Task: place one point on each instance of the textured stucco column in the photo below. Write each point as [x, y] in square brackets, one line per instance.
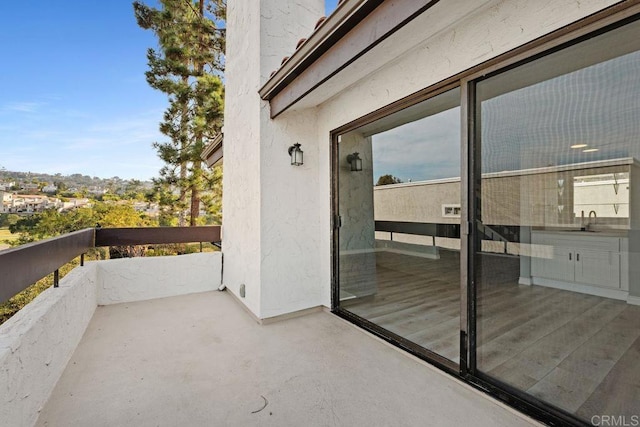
[268, 219]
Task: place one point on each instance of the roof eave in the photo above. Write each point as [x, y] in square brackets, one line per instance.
[212, 153]
[347, 15]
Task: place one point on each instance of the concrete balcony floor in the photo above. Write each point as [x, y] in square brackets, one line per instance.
[201, 360]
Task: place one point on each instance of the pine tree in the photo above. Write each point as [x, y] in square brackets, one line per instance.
[187, 67]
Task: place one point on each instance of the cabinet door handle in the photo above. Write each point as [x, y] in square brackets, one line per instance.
[577, 257]
[569, 256]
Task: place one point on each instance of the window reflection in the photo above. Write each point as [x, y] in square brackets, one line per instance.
[400, 236]
[558, 232]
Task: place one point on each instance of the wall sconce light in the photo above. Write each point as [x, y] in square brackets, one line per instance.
[296, 154]
[355, 161]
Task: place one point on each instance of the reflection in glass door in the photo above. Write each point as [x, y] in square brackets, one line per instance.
[558, 227]
[399, 236]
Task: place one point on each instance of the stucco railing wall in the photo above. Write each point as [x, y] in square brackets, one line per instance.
[37, 343]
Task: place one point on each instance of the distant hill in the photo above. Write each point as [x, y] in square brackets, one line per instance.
[75, 180]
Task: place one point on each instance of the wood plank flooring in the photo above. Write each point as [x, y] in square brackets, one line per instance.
[579, 352]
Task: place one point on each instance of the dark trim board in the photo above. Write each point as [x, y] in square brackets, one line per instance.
[523, 403]
[156, 235]
[213, 153]
[326, 34]
[355, 37]
[335, 223]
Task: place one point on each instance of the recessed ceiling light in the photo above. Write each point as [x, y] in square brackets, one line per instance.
[590, 150]
[578, 145]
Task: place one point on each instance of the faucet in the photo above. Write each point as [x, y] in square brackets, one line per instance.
[589, 224]
[583, 226]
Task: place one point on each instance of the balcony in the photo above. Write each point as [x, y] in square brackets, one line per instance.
[151, 341]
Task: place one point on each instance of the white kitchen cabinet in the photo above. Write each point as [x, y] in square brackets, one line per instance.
[598, 268]
[566, 258]
[555, 263]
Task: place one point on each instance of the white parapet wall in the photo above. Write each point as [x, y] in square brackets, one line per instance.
[137, 279]
[37, 343]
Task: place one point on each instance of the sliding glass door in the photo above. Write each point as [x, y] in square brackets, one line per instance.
[558, 226]
[399, 216]
[545, 247]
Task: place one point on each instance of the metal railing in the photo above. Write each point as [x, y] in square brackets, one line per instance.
[419, 228]
[502, 233]
[22, 266]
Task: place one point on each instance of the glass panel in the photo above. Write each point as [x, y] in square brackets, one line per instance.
[558, 231]
[400, 234]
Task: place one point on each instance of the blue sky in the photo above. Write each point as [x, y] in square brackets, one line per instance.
[73, 96]
[425, 149]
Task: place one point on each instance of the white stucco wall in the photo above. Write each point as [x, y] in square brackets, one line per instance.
[270, 225]
[37, 343]
[241, 180]
[290, 221]
[138, 279]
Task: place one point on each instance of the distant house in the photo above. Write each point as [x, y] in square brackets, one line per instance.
[98, 191]
[50, 188]
[6, 196]
[74, 203]
[6, 201]
[6, 185]
[29, 188]
[37, 203]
